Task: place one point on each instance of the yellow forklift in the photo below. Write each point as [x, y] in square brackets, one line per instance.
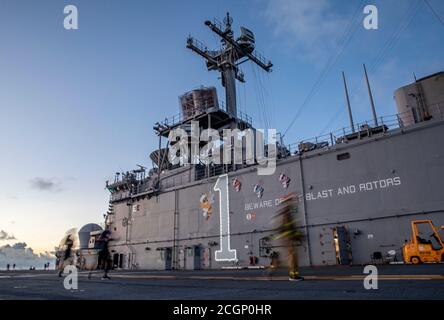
[426, 245]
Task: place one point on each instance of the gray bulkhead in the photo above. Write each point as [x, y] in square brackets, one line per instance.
[379, 186]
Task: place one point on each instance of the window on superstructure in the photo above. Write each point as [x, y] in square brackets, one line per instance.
[343, 156]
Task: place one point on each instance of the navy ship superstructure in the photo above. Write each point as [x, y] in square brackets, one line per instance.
[358, 187]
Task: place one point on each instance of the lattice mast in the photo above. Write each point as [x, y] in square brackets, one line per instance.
[227, 60]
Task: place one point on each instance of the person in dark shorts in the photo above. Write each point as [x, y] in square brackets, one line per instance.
[67, 256]
[104, 254]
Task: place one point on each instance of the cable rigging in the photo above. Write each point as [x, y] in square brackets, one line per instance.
[343, 40]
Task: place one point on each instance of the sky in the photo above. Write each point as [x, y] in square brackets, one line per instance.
[78, 105]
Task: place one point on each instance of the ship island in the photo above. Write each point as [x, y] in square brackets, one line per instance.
[361, 190]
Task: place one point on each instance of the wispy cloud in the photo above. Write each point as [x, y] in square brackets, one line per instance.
[6, 236]
[309, 25]
[46, 184]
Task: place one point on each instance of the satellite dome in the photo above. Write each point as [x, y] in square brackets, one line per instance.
[84, 234]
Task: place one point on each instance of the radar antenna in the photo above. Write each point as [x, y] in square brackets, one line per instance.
[233, 53]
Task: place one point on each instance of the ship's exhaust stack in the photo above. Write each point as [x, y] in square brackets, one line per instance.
[421, 100]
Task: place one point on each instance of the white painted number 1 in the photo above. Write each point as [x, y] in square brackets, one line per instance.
[225, 253]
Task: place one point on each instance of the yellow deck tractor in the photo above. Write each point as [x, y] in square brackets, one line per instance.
[426, 245]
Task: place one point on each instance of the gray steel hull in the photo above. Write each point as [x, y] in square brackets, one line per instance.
[386, 182]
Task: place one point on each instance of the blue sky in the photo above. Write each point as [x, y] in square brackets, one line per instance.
[77, 106]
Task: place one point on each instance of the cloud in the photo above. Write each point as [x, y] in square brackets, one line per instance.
[23, 257]
[46, 184]
[6, 236]
[309, 25]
